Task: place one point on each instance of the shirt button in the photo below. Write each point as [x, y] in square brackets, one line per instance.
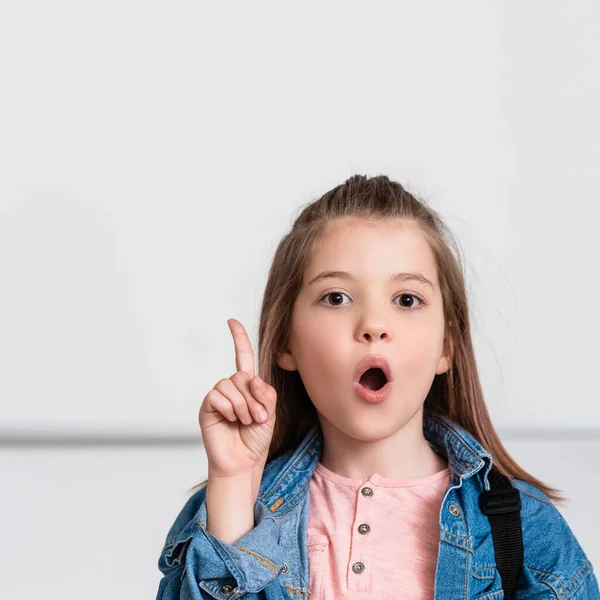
[358, 567]
[454, 509]
[285, 568]
[225, 589]
[364, 528]
[367, 491]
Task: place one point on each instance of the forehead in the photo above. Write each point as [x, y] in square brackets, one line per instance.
[373, 249]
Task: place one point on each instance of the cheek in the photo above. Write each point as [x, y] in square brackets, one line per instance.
[313, 336]
[322, 358]
[320, 354]
[417, 367]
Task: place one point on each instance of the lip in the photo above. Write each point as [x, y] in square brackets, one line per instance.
[373, 396]
[373, 361]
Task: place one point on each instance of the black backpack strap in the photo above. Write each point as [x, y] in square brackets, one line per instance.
[502, 505]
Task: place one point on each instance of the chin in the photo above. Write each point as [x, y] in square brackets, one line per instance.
[359, 428]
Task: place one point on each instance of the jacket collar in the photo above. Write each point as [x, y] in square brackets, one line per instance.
[280, 489]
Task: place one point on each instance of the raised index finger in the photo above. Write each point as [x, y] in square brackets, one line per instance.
[244, 355]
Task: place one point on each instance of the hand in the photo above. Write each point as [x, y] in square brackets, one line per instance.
[235, 437]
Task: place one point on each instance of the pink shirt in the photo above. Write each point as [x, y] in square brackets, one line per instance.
[373, 537]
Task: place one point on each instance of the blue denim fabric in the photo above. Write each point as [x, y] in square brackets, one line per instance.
[270, 562]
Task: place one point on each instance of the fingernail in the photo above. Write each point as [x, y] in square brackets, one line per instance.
[262, 415]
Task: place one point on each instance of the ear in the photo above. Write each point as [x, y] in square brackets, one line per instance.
[286, 361]
[446, 358]
[443, 365]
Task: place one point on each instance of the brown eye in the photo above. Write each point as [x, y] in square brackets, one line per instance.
[336, 295]
[404, 296]
[337, 300]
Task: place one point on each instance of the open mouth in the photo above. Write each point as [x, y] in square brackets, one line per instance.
[373, 379]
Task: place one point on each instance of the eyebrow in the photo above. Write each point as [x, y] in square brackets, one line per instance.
[404, 276]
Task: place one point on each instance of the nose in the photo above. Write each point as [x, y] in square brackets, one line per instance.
[373, 325]
[374, 332]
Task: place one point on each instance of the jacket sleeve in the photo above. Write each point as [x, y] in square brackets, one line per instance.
[197, 565]
[588, 590]
[553, 555]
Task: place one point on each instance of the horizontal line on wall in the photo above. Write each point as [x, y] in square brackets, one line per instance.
[95, 440]
[176, 433]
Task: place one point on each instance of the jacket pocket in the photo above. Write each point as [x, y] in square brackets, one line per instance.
[318, 546]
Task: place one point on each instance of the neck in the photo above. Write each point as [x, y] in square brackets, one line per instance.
[405, 454]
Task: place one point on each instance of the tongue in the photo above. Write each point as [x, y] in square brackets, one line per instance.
[373, 379]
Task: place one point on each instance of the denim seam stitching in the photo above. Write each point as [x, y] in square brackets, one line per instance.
[478, 576]
[550, 583]
[265, 562]
[565, 587]
[465, 579]
[286, 504]
[296, 590]
[490, 595]
[457, 545]
[460, 537]
[572, 581]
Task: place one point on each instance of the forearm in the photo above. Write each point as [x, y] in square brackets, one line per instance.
[257, 474]
[230, 505]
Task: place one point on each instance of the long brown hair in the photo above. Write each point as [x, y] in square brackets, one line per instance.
[456, 393]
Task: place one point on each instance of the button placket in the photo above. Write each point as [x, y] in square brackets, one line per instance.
[360, 560]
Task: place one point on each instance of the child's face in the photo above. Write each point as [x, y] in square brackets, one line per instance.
[331, 334]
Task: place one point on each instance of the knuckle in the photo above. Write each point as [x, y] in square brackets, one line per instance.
[244, 403]
[212, 394]
[252, 400]
[239, 377]
[236, 401]
[220, 384]
[218, 400]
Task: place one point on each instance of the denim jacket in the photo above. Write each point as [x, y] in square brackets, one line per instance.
[270, 562]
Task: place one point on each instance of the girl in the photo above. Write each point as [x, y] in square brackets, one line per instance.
[372, 471]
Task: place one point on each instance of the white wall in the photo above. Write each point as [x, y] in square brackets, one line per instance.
[152, 156]
[91, 521]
